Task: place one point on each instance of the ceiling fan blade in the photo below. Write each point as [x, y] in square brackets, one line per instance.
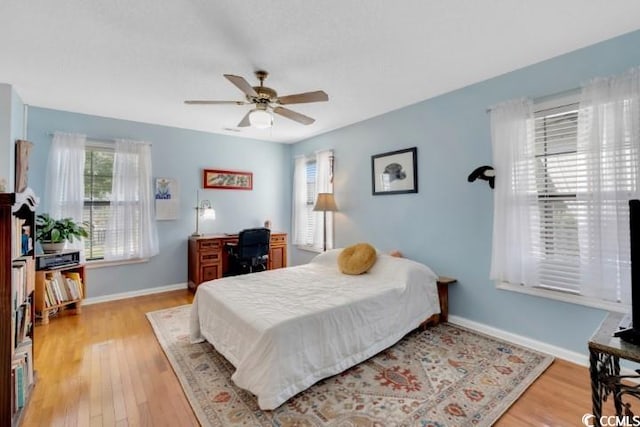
[192, 102]
[301, 98]
[290, 114]
[245, 121]
[241, 84]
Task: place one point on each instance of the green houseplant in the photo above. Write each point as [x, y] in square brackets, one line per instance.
[54, 233]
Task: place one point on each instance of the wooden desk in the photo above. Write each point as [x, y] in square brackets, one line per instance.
[605, 352]
[209, 260]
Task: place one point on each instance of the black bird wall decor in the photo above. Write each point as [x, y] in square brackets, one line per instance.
[485, 173]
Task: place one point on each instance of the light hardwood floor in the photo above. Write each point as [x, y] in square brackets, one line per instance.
[105, 367]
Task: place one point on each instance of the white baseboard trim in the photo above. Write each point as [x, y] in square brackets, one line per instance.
[562, 353]
[131, 294]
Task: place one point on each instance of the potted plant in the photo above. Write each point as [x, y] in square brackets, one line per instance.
[54, 233]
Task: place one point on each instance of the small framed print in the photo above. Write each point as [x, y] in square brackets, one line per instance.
[395, 172]
[227, 180]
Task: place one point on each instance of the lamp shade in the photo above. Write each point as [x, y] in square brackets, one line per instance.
[207, 211]
[325, 203]
[260, 119]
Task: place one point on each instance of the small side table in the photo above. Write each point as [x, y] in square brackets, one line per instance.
[605, 352]
[443, 293]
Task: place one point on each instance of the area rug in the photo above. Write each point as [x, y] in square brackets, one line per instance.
[442, 376]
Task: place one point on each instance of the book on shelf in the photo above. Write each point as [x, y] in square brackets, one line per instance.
[71, 288]
[60, 288]
[20, 386]
[25, 352]
[76, 282]
[22, 374]
[19, 282]
[16, 241]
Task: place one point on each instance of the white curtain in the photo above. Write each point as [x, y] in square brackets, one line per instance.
[64, 186]
[609, 144]
[131, 230]
[515, 221]
[300, 213]
[324, 184]
[308, 226]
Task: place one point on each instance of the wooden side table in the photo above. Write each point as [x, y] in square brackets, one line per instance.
[605, 352]
[443, 293]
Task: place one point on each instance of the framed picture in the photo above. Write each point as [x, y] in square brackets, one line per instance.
[395, 172]
[23, 149]
[167, 195]
[228, 180]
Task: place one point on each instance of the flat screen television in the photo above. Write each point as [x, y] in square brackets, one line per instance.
[632, 333]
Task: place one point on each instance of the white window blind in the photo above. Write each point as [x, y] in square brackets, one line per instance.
[310, 173]
[560, 173]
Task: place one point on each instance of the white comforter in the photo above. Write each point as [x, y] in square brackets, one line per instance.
[286, 329]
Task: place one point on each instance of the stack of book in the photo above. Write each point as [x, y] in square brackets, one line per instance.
[21, 280]
[62, 287]
[22, 287]
[22, 373]
[16, 241]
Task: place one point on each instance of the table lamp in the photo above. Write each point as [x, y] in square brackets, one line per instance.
[204, 210]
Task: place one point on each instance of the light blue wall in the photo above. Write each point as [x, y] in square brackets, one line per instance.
[448, 224]
[180, 154]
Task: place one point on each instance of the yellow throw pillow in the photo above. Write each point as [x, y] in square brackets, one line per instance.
[357, 259]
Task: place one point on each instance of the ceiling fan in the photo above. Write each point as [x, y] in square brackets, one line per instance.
[267, 101]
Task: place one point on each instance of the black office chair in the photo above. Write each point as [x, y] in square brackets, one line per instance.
[251, 253]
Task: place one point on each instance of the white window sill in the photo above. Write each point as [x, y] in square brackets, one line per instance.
[565, 297]
[102, 263]
[310, 249]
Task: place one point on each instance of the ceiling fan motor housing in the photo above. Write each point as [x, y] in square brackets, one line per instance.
[265, 95]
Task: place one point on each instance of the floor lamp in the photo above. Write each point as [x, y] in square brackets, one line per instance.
[325, 203]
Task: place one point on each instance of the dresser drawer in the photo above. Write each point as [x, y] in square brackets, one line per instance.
[209, 272]
[209, 257]
[278, 239]
[213, 244]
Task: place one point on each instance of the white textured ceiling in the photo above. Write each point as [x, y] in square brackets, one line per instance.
[139, 59]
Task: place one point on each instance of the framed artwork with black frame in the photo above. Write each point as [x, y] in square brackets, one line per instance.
[395, 172]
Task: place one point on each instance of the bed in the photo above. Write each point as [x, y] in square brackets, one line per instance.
[286, 329]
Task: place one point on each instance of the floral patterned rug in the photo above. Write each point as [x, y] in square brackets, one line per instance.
[443, 376]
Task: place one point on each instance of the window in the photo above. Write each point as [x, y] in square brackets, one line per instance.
[312, 175]
[98, 173]
[566, 172]
[109, 186]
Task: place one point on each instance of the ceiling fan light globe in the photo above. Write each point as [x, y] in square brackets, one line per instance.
[260, 119]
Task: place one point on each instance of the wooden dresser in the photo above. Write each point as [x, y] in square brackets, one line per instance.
[209, 260]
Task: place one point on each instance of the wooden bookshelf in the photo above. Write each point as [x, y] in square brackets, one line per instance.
[17, 279]
[45, 304]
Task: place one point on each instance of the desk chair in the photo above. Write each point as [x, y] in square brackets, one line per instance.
[251, 253]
